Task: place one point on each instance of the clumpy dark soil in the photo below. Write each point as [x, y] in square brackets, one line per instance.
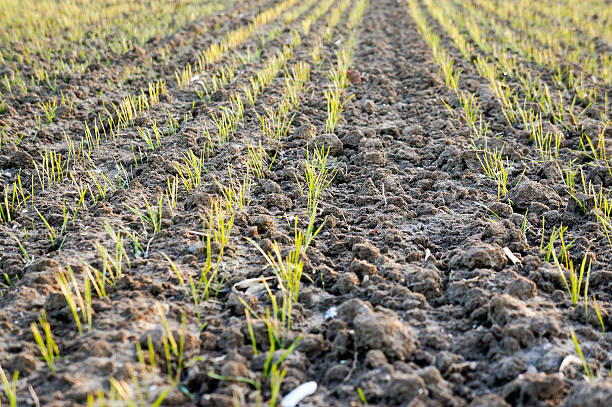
[408, 292]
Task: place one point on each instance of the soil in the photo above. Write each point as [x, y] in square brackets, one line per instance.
[408, 293]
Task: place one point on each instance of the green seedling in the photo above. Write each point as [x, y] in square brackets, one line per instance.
[172, 195]
[76, 302]
[237, 194]
[55, 235]
[318, 176]
[151, 354]
[172, 347]
[587, 369]
[362, 397]
[49, 109]
[275, 124]
[46, 344]
[575, 276]
[495, 168]
[129, 395]
[335, 107]
[190, 171]
[27, 259]
[259, 161]
[10, 387]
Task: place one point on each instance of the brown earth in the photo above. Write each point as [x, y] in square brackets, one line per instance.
[407, 293]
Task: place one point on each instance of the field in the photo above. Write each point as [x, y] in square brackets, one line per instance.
[211, 203]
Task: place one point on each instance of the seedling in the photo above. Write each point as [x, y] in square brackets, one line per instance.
[172, 195]
[151, 142]
[362, 397]
[275, 124]
[318, 174]
[171, 346]
[258, 161]
[46, 344]
[76, 302]
[27, 259]
[153, 216]
[238, 194]
[495, 168]
[55, 235]
[10, 387]
[587, 369]
[191, 170]
[151, 354]
[49, 109]
[288, 271]
[121, 392]
[335, 107]
[97, 279]
[218, 227]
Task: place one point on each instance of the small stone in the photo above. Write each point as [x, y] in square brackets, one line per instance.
[489, 400]
[280, 201]
[330, 141]
[362, 268]
[252, 232]
[367, 106]
[189, 259]
[21, 159]
[266, 245]
[271, 187]
[200, 200]
[218, 95]
[312, 344]
[404, 388]
[236, 306]
[600, 277]
[353, 76]
[352, 139]
[55, 302]
[346, 283]
[375, 358]
[522, 288]
[520, 332]
[342, 346]
[484, 256]
[413, 130]
[23, 363]
[505, 309]
[280, 238]
[235, 369]
[195, 248]
[390, 128]
[231, 337]
[535, 389]
[43, 265]
[380, 331]
[264, 223]
[525, 194]
[598, 394]
[101, 349]
[306, 131]
[509, 368]
[336, 373]
[375, 158]
[157, 335]
[348, 310]
[501, 209]
[365, 251]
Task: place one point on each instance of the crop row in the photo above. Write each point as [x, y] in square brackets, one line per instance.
[95, 281]
[509, 62]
